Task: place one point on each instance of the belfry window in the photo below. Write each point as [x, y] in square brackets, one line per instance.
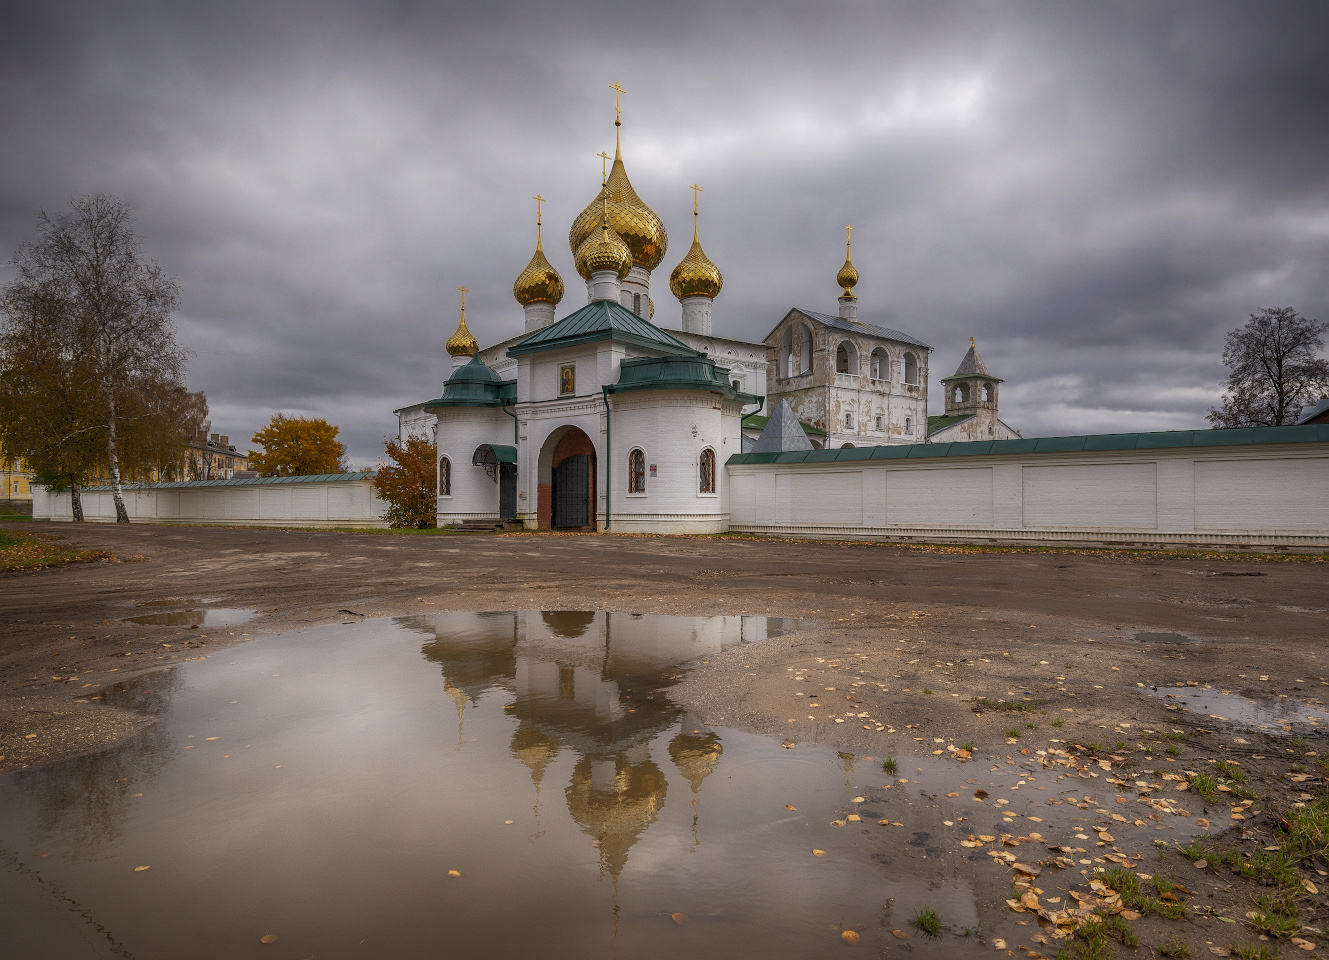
[444, 477]
[637, 471]
[636, 304]
[706, 480]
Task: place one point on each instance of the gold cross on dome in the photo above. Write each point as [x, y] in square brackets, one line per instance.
[618, 91]
[696, 191]
[539, 203]
[463, 292]
[848, 234]
[604, 159]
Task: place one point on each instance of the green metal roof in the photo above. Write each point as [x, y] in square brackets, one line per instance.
[502, 453]
[755, 422]
[601, 320]
[474, 384]
[243, 481]
[1163, 440]
[691, 372]
[942, 422]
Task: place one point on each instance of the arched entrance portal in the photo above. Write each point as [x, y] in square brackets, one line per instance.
[567, 481]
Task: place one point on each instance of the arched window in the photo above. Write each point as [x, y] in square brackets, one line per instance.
[880, 368]
[849, 420]
[989, 392]
[909, 425]
[881, 423]
[706, 473]
[444, 477]
[846, 358]
[637, 471]
[962, 393]
[846, 446]
[796, 351]
[911, 369]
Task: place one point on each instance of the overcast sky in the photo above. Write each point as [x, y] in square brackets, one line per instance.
[1096, 192]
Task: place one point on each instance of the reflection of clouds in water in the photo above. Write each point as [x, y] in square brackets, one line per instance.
[85, 801]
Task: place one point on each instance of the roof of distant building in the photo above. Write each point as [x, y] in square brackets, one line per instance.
[858, 326]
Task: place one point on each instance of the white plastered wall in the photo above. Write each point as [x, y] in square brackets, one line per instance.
[1256, 495]
[474, 495]
[330, 503]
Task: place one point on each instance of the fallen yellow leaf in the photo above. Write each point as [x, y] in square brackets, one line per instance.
[849, 937]
[900, 934]
[454, 873]
[679, 918]
[818, 853]
[137, 869]
[268, 938]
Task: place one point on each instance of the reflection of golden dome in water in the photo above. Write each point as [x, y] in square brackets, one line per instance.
[535, 749]
[635, 223]
[696, 756]
[568, 623]
[459, 698]
[616, 811]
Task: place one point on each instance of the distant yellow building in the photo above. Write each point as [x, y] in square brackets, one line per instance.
[15, 486]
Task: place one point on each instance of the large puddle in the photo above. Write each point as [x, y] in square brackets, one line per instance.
[208, 617]
[517, 784]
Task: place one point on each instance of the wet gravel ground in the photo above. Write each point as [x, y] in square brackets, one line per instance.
[919, 654]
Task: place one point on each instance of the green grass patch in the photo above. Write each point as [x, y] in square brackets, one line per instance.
[20, 550]
[1206, 786]
[889, 765]
[1249, 952]
[1013, 733]
[1225, 768]
[1093, 941]
[927, 922]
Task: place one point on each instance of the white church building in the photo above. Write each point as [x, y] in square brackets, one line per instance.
[602, 419]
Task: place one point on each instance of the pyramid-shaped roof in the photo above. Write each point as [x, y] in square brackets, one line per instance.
[783, 432]
[601, 320]
[971, 366]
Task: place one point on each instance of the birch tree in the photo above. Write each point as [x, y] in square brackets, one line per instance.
[110, 308]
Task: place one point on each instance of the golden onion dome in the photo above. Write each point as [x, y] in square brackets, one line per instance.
[695, 275]
[848, 275]
[461, 343]
[539, 282]
[603, 250]
[636, 224]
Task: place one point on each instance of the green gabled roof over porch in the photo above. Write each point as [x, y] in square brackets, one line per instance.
[601, 320]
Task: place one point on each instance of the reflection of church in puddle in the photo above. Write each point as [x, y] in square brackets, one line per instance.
[592, 683]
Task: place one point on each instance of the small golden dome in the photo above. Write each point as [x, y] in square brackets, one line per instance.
[636, 224]
[461, 343]
[695, 275]
[848, 275]
[539, 282]
[603, 251]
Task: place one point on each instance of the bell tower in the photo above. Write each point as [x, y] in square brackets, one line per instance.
[971, 389]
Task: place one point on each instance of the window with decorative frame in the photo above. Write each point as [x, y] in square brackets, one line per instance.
[637, 471]
[849, 420]
[444, 477]
[706, 479]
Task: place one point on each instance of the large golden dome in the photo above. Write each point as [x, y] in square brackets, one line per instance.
[635, 223]
[539, 282]
[695, 275]
[602, 250]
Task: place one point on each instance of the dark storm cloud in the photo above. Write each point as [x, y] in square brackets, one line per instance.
[1096, 192]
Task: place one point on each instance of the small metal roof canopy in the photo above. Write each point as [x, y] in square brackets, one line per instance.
[490, 455]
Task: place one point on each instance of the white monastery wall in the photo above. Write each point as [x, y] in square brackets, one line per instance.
[261, 502]
[1267, 494]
